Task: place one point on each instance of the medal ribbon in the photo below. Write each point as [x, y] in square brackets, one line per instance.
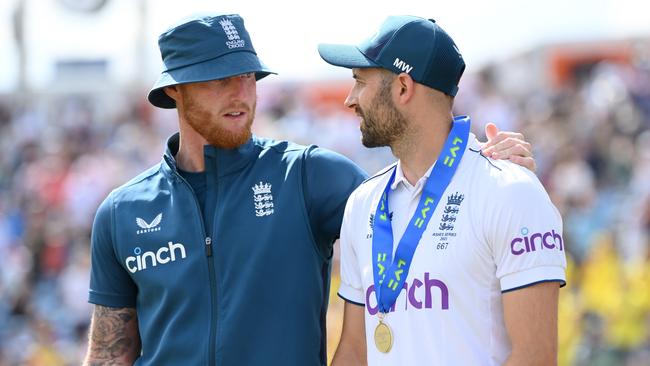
[388, 274]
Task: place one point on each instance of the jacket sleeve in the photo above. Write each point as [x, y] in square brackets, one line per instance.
[328, 180]
[110, 283]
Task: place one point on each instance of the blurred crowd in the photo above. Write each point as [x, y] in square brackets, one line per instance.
[61, 154]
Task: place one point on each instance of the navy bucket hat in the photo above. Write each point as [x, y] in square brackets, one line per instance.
[202, 49]
[408, 44]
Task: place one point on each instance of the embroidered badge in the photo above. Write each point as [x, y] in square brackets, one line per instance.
[145, 227]
[263, 199]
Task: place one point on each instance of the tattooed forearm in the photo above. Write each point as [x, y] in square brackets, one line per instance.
[114, 337]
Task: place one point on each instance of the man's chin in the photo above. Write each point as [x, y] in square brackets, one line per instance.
[229, 137]
[370, 143]
[229, 141]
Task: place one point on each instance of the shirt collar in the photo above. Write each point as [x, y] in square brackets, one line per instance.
[399, 173]
[400, 178]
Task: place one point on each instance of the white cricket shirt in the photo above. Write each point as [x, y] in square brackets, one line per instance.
[494, 230]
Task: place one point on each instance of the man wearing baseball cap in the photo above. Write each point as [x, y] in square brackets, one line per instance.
[447, 256]
[221, 253]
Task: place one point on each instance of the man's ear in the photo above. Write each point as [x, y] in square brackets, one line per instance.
[173, 92]
[406, 87]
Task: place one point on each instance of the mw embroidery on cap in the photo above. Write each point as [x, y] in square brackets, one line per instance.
[233, 36]
[263, 199]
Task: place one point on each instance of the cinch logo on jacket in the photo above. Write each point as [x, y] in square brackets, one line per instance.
[163, 255]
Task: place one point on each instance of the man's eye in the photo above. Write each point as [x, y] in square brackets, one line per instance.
[248, 75]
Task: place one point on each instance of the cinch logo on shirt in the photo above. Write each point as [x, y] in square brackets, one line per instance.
[163, 255]
[414, 294]
[536, 241]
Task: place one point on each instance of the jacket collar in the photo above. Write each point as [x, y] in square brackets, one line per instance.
[221, 161]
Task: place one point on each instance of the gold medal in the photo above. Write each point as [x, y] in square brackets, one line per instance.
[383, 337]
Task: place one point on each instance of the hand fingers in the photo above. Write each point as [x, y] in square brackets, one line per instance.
[518, 155]
[527, 162]
[507, 147]
[519, 150]
[491, 131]
[502, 136]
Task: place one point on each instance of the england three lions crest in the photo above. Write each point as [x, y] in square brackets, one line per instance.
[263, 199]
[451, 210]
[446, 233]
[234, 41]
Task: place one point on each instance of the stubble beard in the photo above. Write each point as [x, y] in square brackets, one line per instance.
[383, 124]
[210, 125]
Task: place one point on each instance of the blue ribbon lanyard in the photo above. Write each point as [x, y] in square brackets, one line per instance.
[389, 275]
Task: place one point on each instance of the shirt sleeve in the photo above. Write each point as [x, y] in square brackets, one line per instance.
[351, 288]
[328, 180]
[110, 284]
[525, 235]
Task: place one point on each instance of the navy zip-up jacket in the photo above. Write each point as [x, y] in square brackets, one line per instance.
[253, 290]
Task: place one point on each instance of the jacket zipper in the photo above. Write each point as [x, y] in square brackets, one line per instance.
[213, 301]
[208, 246]
[211, 272]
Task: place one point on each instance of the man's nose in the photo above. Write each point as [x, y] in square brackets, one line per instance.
[350, 101]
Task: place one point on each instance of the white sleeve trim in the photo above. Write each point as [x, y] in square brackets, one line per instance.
[537, 274]
[351, 294]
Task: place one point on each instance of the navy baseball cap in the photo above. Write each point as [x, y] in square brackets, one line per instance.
[408, 44]
[205, 48]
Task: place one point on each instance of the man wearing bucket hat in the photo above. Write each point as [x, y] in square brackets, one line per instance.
[221, 253]
[447, 256]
